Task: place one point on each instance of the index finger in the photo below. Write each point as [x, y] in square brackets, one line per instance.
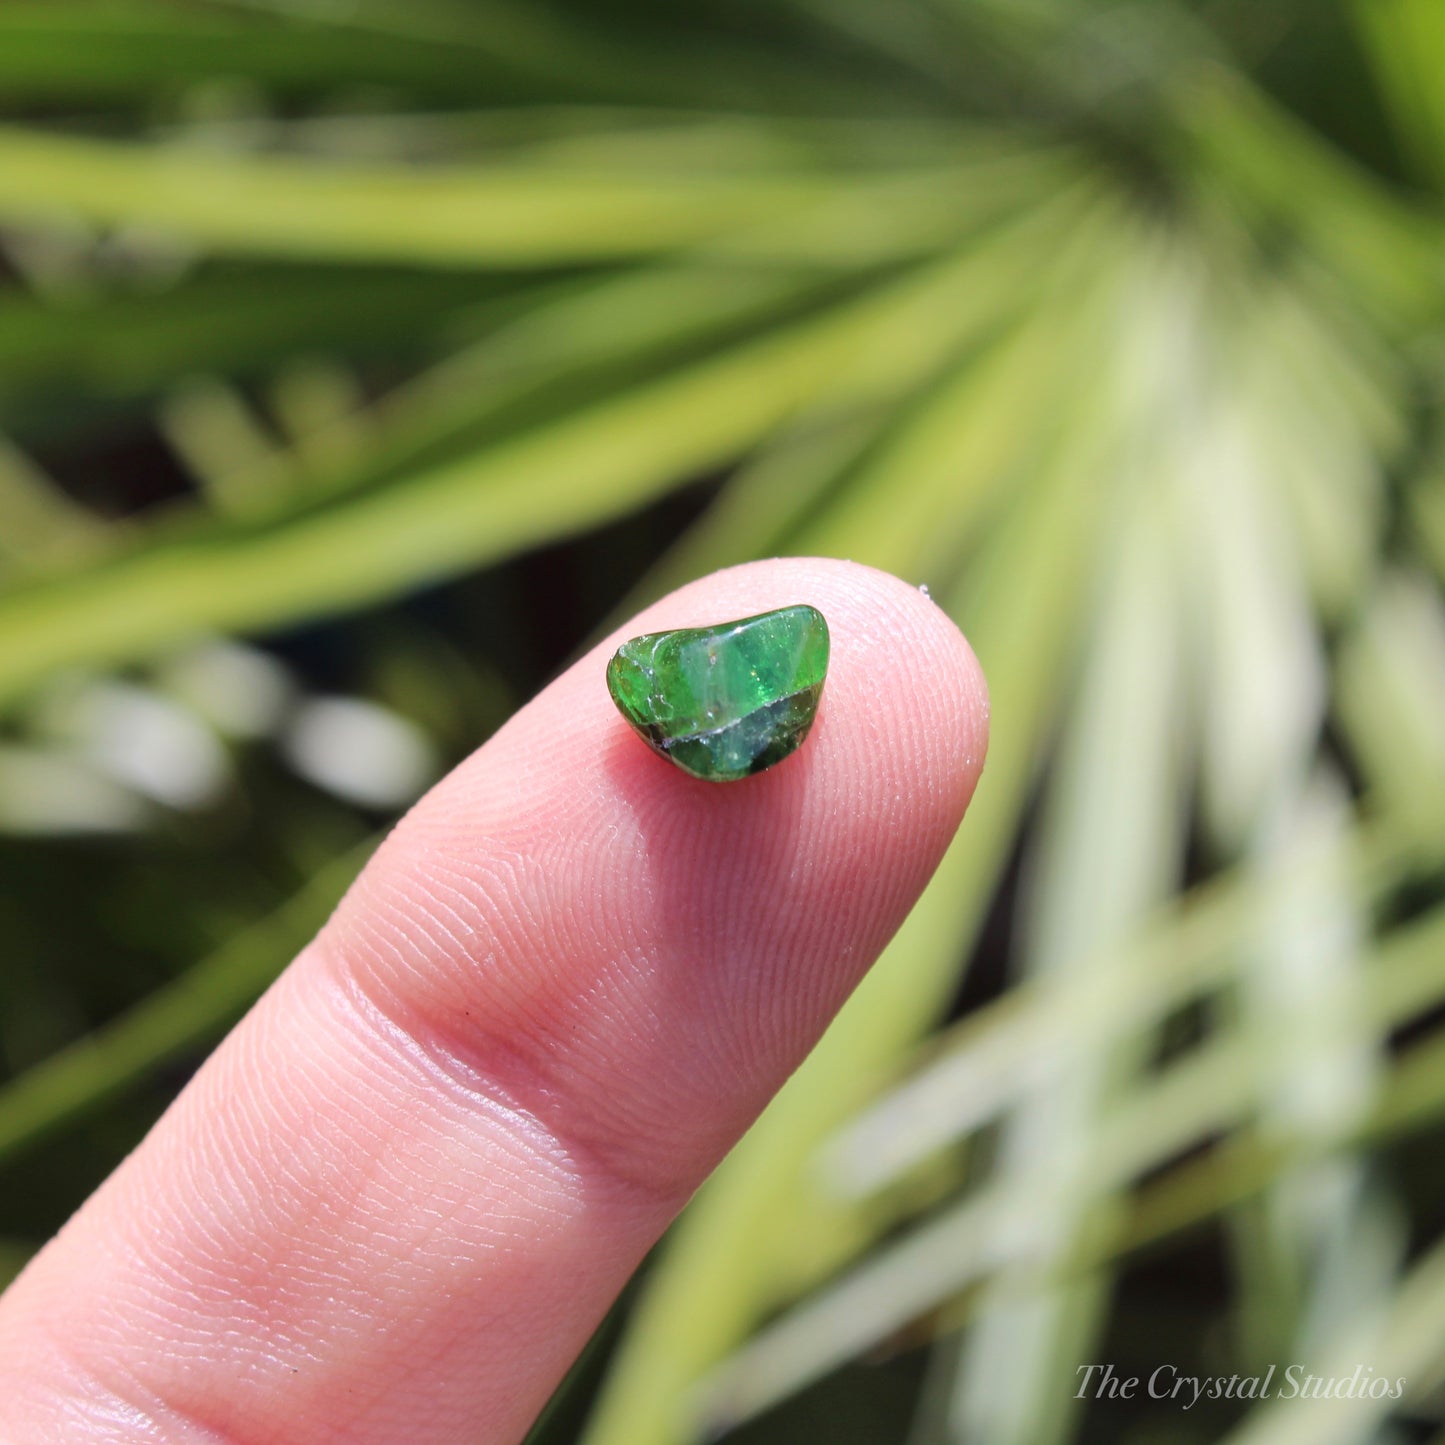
[399, 1197]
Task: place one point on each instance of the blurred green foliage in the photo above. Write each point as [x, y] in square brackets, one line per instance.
[358, 360]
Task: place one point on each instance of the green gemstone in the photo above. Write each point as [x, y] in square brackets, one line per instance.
[727, 701]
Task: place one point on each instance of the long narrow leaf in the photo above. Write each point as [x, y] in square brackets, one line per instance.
[507, 213]
[580, 470]
[183, 1016]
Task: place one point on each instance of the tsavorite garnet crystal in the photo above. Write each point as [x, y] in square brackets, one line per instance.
[727, 701]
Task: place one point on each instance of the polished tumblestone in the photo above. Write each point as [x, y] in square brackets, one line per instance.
[727, 701]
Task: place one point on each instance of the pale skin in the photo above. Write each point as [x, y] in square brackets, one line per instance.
[397, 1200]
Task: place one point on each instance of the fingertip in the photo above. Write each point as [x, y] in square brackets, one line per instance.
[628, 933]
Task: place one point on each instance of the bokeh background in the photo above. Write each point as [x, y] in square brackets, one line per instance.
[361, 359]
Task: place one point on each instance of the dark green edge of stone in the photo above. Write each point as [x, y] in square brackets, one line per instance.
[792, 717]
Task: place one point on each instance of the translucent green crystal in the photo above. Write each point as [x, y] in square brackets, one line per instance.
[727, 701]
